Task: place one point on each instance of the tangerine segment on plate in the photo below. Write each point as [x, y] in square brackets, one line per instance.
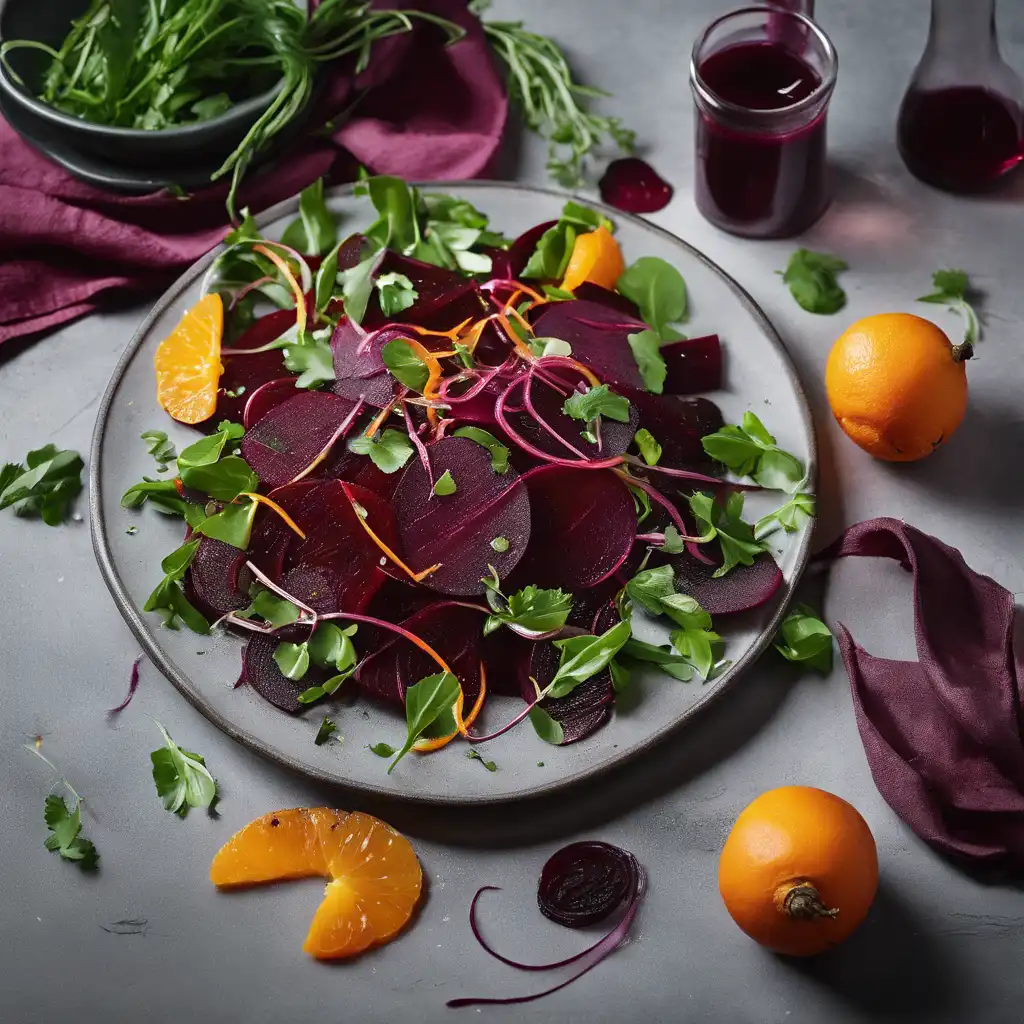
[374, 877]
[188, 364]
[597, 258]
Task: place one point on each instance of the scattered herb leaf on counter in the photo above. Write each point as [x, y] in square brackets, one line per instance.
[952, 289]
[325, 732]
[803, 637]
[749, 450]
[475, 755]
[159, 447]
[182, 778]
[811, 277]
[45, 486]
[65, 825]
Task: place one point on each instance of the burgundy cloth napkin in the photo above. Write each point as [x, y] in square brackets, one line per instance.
[420, 110]
[943, 734]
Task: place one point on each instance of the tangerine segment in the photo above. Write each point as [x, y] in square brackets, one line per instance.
[596, 257]
[188, 365]
[375, 878]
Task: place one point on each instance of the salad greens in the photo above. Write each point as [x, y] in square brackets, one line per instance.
[750, 451]
[182, 778]
[952, 289]
[803, 637]
[44, 486]
[811, 277]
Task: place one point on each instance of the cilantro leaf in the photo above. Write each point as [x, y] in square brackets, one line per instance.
[598, 401]
[45, 486]
[499, 452]
[396, 293]
[658, 289]
[445, 484]
[315, 230]
[159, 447]
[325, 732]
[791, 516]
[405, 365]
[649, 447]
[389, 452]
[646, 349]
[425, 701]
[736, 537]
[65, 825]
[181, 777]
[584, 656]
[749, 450]
[952, 289]
[811, 277]
[803, 637]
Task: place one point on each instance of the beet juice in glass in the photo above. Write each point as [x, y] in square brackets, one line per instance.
[762, 78]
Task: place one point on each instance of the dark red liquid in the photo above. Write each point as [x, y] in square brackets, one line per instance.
[751, 181]
[962, 139]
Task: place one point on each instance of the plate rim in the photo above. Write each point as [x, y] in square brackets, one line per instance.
[145, 635]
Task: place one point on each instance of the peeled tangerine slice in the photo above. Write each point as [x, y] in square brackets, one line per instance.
[374, 876]
[187, 362]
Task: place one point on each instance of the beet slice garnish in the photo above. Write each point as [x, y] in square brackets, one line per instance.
[742, 588]
[678, 426]
[584, 882]
[266, 397]
[455, 531]
[633, 185]
[590, 292]
[589, 958]
[692, 365]
[359, 370]
[289, 438]
[261, 672]
[215, 579]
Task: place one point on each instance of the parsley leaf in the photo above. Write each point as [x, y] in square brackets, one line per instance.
[169, 600]
[65, 825]
[804, 637]
[531, 609]
[811, 277]
[45, 486]
[749, 450]
[734, 535]
[597, 401]
[445, 484]
[405, 365]
[952, 289]
[396, 293]
[182, 778]
[389, 452]
[646, 349]
[791, 516]
[475, 755]
[499, 452]
[159, 447]
[649, 447]
[425, 702]
[325, 732]
[658, 289]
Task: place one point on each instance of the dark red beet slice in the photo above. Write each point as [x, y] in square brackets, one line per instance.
[342, 464]
[260, 671]
[314, 585]
[507, 657]
[336, 540]
[266, 397]
[215, 577]
[454, 631]
[456, 530]
[584, 882]
[678, 425]
[584, 523]
[590, 292]
[742, 588]
[292, 435]
[633, 185]
[598, 336]
[693, 365]
[584, 710]
[522, 248]
[358, 367]
[445, 299]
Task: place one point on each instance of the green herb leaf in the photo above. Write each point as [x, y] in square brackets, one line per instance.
[621, 675]
[549, 730]
[405, 365]
[326, 278]
[292, 659]
[159, 447]
[65, 825]
[803, 637]
[557, 294]
[277, 611]
[232, 525]
[584, 656]
[325, 732]
[397, 226]
[811, 277]
[163, 495]
[749, 450]
[500, 544]
[182, 778]
[475, 755]
[532, 608]
[315, 231]
[45, 486]
[790, 517]
[382, 749]
[734, 535]
[952, 289]
[649, 447]
[499, 452]
[168, 599]
[312, 359]
[597, 401]
[673, 542]
[330, 646]
[396, 293]
[424, 702]
[665, 658]
[389, 452]
[658, 289]
[551, 256]
[445, 484]
[357, 286]
[646, 349]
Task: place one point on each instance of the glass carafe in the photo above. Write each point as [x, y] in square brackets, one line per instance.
[960, 121]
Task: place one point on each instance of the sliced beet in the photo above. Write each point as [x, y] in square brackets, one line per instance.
[215, 577]
[693, 365]
[359, 369]
[452, 630]
[266, 397]
[289, 437]
[590, 292]
[633, 185]
[742, 588]
[445, 298]
[678, 426]
[584, 882]
[507, 657]
[342, 464]
[598, 337]
[262, 674]
[314, 585]
[456, 530]
[584, 524]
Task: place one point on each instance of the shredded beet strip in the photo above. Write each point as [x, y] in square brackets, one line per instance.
[133, 685]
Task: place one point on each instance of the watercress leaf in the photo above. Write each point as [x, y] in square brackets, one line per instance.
[425, 701]
[277, 611]
[685, 611]
[803, 637]
[204, 452]
[396, 293]
[315, 230]
[405, 365]
[584, 656]
[697, 646]
[621, 675]
[325, 732]
[233, 431]
[649, 447]
[224, 480]
[46, 488]
[736, 537]
[658, 289]
[181, 777]
[546, 727]
[175, 564]
[389, 452]
[292, 659]
[811, 277]
[65, 825]
[650, 586]
[533, 608]
[645, 347]
[597, 401]
[445, 484]
[398, 225]
[475, 755]
[232, 525]
[381, 749]
[312, 360]
[330, 646]
[499, 452]
[158, 445]
[790, 517]
[750, 450]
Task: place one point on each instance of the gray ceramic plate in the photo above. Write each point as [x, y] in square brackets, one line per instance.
[759, 376]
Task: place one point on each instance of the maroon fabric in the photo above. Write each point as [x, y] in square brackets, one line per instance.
[430, 112]
[943, 734]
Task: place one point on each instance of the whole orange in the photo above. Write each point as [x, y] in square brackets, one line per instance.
[799, 870]
[897, 385]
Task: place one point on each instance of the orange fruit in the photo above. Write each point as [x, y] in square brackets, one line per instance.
[188, 362]
[374, 876]
[799, 870]
[596, 257]
[897, 385]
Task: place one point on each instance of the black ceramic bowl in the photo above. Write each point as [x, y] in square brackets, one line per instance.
[70, 139]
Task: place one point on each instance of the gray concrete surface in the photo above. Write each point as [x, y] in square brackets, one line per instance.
[938, 945]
